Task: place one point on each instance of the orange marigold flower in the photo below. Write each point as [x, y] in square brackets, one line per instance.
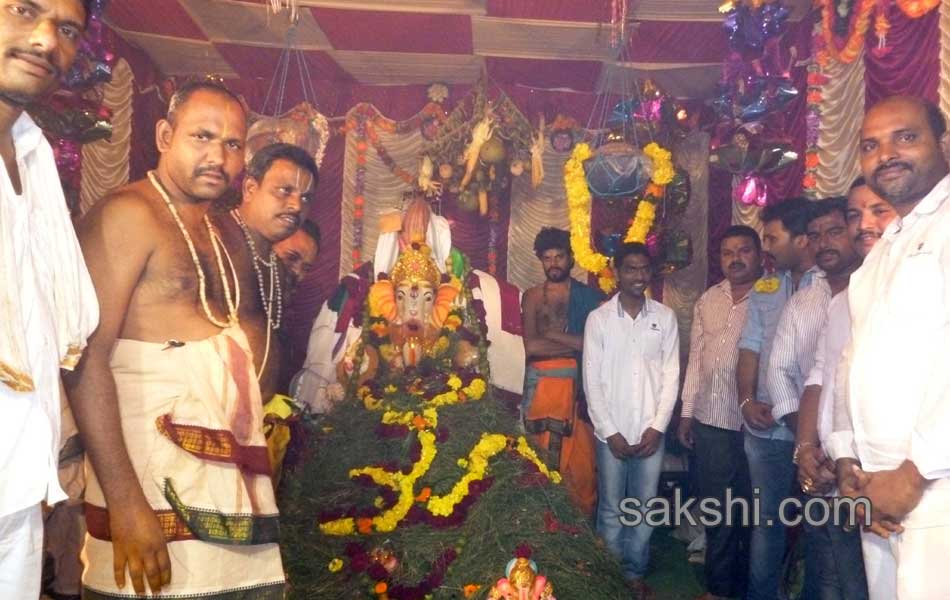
[809, 181]
[811, 160]
[424, 494]
[471, 589]
[379, 328]
[365, 526]
[655, 190]
[419, 422]
[380, 587]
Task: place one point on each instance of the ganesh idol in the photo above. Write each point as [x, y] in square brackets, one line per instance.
[415, 280]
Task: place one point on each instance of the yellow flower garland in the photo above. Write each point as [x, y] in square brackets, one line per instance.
[579, 209]
[488, 446]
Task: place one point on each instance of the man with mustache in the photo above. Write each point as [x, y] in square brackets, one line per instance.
[769, 441]
[631, 376]
[49, 303]
[824, 431]
[277, 190]
[710, 422]
[553, 316]
[790, 363]
[896, 383]
[166, 400]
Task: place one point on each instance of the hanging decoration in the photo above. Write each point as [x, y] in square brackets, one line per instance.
[75, 114]
[579, 199]
[844, 25]
[816, 79]
[303, 125]
[756, 84]
[481, 144]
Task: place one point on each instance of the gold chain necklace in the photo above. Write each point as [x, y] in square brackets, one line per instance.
[216, 246]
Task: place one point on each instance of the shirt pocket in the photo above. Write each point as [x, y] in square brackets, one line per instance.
[652, 340]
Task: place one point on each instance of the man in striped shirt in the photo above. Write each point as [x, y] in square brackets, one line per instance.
[769, 443]
[793, 356]
[710, 421]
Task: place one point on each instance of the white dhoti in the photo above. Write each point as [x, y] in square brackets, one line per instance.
[912, 565]
[192, 421]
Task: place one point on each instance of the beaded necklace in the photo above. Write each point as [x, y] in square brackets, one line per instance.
[267, 299]
[267, 295]
[217, 246]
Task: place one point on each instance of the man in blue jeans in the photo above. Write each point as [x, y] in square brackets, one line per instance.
[631, 376]
[770, 438]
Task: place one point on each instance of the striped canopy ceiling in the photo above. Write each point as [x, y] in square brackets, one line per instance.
[548, 44]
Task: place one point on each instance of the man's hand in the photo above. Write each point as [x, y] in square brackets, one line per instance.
[892, 493]
[816, 473]
[850, 484]
[138, 541]
[618, 446]
[649, 443]
[758, 414]
[684, 433]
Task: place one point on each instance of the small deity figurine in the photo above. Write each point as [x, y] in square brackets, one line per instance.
[522, 583]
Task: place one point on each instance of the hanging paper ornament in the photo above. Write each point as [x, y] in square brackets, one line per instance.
[617, 169]
[751, 191]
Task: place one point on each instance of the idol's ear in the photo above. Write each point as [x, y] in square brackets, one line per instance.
[382, 300]
[443, 301]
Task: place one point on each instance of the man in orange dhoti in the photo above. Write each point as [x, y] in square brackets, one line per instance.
[554, 314]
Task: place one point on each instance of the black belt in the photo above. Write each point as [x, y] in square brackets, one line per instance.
[558, 429]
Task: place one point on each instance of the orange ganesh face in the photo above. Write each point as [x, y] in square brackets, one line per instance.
[414, 302]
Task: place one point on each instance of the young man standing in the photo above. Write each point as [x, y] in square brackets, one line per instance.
[835, 548]
[710, 422]
[631, 375]
[276, 193]
[792, 358]
[49, 303]
[769, 443]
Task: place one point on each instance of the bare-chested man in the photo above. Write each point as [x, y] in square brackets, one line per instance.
[277, 189]
[166, 398]
[553, 315]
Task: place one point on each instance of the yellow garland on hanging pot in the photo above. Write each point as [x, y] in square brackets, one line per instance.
[579, 208]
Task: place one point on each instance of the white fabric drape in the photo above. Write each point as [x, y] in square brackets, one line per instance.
[383, 191]
[943, 90]
[105, 163]
[842, 110]
[683, 288]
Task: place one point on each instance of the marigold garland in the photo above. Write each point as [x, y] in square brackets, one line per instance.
[854, 42]
[579, 208]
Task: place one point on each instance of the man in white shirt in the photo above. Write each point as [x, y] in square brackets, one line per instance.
[897, 380]
[711, 423]
[631, 377]
[835, 547]
[49, 304]
[792, 358]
